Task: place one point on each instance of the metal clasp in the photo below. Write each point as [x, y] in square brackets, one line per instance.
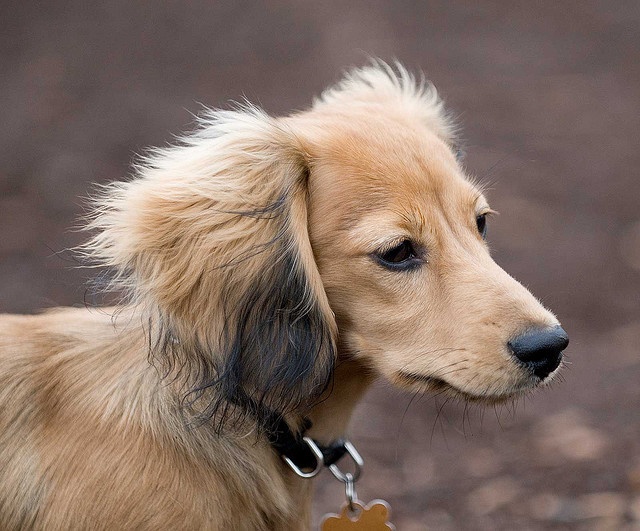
[357, 461]
[348, 478]
[319, 460]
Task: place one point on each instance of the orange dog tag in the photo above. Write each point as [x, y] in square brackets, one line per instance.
[372, 517]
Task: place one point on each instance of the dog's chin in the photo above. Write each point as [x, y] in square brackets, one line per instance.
[432, 385]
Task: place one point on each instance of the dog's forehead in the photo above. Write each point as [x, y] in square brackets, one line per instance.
[376, 165]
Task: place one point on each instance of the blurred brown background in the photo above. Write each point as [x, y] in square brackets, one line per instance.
[549, 97]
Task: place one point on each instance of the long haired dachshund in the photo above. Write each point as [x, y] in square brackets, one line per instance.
[272, 268]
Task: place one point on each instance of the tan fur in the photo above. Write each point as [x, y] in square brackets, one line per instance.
[94, 436]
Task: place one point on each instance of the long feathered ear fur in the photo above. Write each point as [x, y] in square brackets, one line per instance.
[210, 243]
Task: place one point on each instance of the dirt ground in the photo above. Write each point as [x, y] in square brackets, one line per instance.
[548, 94]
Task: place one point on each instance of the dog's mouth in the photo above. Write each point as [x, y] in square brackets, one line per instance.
[432, 384]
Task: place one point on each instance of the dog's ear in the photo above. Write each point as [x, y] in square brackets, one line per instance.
[210, 240]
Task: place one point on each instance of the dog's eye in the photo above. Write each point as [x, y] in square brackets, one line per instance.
[481, 223]
[401, 257]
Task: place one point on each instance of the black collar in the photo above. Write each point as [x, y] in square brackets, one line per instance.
[293, 446]
[298, 450]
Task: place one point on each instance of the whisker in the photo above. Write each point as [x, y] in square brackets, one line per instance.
[415, 395]
[435, 422]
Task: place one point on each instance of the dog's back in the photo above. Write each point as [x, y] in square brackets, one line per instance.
[64, 375]
[89, 439]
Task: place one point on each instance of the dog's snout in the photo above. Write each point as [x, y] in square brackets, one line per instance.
[540, 350]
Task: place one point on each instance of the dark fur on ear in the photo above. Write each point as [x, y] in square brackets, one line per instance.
[278, 349]
[274, 350]
[211, 243]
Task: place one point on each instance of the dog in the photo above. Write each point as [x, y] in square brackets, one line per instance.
[270, 269]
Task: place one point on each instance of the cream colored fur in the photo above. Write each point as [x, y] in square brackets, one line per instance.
[98, 429]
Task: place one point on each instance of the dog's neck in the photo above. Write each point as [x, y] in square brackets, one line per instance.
[331, 415]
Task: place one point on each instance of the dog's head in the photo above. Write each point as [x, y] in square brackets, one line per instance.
[259, 244]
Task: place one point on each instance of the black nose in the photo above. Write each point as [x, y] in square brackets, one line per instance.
[540, 350]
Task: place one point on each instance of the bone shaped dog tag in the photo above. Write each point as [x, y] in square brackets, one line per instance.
[372, 517]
